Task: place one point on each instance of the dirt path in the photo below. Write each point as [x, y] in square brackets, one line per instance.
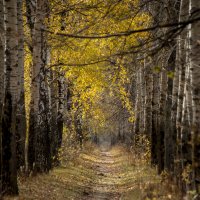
[98, 174]
[108, 169]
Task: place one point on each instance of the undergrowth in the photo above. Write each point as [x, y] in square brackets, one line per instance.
[93, 174]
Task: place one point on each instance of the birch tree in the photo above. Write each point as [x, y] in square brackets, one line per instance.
[54, 111]
[171, 15]
[148, 97]
[9, 166]
[178, 92]
[31, 13]
[2, 74]
[195, 83]
[39, 132]
[155, 114]
[137, 104]
[21, 115]
[60, 116]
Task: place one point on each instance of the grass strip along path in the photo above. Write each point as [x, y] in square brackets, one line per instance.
[99, 173]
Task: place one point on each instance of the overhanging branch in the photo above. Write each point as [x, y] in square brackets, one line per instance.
[127, 33]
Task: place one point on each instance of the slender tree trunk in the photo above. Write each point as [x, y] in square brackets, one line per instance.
[195, 81]
[155, 114]
[61, 82]
[137, 104]
[169, 139]
[2, 86]
[174, 108]
[186, 148]
[43, 127]
[54, 111]
[181, 62]
[156, 9]
[57, 92]
[148, 99]
[142, 99]
[162, 118]
[39, 131]
[31, 17]
[43, 135]
[9, 166]
[21, 115]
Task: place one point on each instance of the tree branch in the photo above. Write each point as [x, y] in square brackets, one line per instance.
[126, 33]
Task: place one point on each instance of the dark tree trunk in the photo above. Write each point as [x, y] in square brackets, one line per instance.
[154, 133]
[9, 165]
[43, 134]
[54, 111]
[21, 113]
[31, 139]
[39, 148]
[9, 170]
[61, 83]
[169, 140]
[2, 86]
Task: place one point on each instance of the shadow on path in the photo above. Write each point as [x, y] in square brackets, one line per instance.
[102, 173]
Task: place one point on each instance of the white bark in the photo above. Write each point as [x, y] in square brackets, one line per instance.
[37, 52]
[9, 120]
[180, 65]
[37, 75]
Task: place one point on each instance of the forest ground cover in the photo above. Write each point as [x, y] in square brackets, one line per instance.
[99, 173]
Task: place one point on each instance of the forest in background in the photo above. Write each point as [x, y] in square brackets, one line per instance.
[78, 70]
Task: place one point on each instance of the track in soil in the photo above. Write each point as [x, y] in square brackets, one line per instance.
[98, 173]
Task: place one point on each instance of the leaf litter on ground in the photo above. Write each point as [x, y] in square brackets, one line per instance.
[96, 174]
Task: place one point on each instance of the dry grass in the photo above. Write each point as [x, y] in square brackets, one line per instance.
[116, 174]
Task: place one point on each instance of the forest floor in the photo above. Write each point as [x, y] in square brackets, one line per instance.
[99, 173]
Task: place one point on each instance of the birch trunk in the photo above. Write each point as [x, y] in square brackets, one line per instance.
[148, 100]
[162, 118]
[155, 115]
[43, 134]
[181, 62]
[9, 167]
[21, 114]
[186, 148]
[137, 105]
[142, 99]
[174, 106]
[54, 111]
[41, 98]
[31, 13]
[169, 139]
[156, 9]
[61, 87]
[195, 81]
[39, 130]
[2, 86]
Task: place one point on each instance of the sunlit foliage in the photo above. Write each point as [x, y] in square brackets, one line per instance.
[92, 84]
